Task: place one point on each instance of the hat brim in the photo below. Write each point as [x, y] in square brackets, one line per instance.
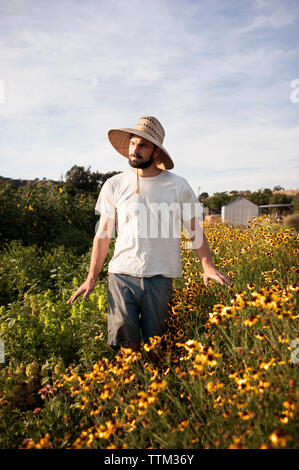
[120, 139]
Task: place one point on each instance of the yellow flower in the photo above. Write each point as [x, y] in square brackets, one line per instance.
[100, 336]
[278, 438]
[260, 337]
[251, 286]
[266, 365]
[181, 427]
[104, 431]
[236, 444]
[157, 386]
[288, 404]
[246, 415]
[211, 387]
[251, 321]
[284, 418]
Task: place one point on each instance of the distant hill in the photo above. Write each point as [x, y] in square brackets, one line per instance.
[288, 192]
[36, 182]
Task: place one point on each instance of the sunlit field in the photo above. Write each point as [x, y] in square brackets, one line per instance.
[228, 377]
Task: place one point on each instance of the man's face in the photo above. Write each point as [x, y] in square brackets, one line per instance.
[141, 152]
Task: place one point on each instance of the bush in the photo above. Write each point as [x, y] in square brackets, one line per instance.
[296, 203]
[292, 221]
[30, 269]
[47, 217]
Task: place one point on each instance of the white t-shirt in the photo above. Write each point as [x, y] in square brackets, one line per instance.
[148, 223]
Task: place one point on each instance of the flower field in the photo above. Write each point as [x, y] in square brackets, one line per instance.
[229, 374]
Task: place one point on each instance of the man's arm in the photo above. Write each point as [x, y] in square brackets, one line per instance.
[201, 247]
[100, 247]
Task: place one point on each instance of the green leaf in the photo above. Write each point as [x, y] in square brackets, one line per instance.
[45, 380]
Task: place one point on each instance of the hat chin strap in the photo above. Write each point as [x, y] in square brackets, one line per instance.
[138, 183]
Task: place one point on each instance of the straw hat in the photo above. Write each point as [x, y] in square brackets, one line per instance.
[149, 128]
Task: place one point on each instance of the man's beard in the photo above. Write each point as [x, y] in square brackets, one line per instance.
[139, 163]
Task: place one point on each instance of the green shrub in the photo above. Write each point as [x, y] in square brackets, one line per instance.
[47, 217]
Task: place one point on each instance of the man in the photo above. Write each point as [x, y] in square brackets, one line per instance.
[146, 204]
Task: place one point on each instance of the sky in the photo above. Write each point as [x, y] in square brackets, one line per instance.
[222, 77]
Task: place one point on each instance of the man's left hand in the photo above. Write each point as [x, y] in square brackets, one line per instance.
[213, 273]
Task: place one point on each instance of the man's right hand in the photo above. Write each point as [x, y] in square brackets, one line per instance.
[87, 287]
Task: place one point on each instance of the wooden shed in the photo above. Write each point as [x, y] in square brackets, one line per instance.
[239, 212]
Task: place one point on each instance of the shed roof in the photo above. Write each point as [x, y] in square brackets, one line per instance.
[238, 199]
[277, 205]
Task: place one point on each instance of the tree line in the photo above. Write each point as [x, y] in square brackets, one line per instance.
[260, 197]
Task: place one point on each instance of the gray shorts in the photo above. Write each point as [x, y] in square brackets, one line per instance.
[134, 304]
